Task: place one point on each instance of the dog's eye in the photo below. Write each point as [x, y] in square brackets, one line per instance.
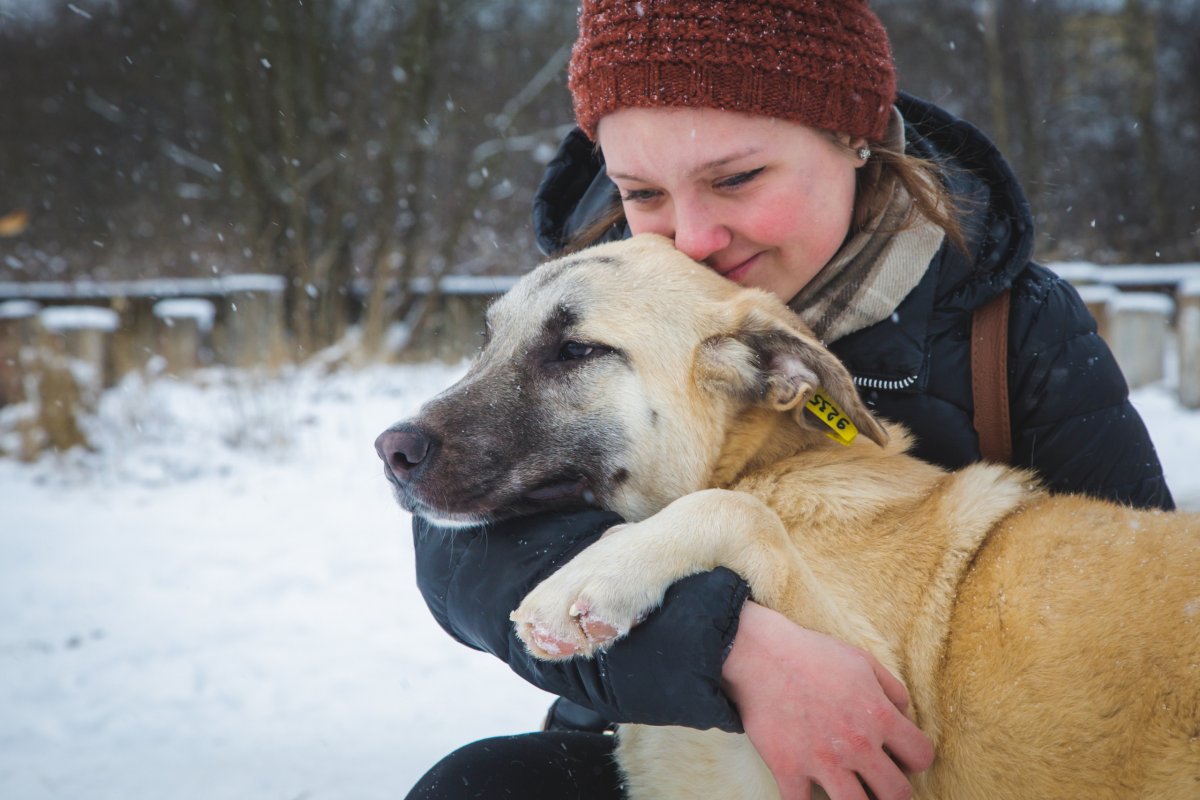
[573, 351]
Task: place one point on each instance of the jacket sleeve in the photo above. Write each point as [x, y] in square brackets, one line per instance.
[666, 672]
[1072, 419]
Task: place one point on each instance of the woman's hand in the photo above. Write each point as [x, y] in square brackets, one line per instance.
[820, 711]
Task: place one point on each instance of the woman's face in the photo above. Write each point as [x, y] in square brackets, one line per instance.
[762, 201]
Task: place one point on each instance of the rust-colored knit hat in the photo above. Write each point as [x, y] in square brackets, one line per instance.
[824, 63]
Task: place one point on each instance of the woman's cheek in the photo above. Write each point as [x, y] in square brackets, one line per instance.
[801, 219]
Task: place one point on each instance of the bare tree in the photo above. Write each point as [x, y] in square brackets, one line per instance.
[393, 258]
[352, 145]
[286, 147]
[989, 26]
[1142, 46]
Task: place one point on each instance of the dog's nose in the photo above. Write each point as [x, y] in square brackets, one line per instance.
[402, 451]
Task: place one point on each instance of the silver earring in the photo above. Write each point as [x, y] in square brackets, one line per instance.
[864, 153]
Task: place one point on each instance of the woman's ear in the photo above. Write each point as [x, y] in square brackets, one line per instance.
[858, 147]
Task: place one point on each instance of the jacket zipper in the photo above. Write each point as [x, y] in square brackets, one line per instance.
[887, 386]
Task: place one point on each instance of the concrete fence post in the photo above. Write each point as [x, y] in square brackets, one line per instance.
[18, 332]
[183, 327]
[1138, 325]
[84, 335]
[1187, 326]
[1097, 297]
[250, 325]
[135, 341]
[74, 365]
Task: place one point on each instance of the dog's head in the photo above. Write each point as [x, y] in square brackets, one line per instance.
[622, 377]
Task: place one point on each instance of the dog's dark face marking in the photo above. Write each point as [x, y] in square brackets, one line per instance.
[521, 432]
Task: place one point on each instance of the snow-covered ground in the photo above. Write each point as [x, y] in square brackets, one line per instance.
[219, 603]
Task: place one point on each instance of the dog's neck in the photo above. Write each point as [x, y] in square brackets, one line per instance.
[757, 437]
[758, 442]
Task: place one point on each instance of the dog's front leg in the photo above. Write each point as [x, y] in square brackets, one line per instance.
[605, 590]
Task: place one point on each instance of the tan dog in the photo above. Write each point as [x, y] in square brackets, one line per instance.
[1050, 644]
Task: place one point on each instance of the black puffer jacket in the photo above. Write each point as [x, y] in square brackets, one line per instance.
[1070, 413]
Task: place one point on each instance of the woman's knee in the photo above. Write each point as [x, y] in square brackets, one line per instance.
[549, 764]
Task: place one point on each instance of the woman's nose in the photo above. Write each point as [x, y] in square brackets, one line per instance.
[698, 234]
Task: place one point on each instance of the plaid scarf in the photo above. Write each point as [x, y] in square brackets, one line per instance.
[874, 270]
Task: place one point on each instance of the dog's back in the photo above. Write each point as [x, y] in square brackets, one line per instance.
[1048, 641]
[1058, 656]
[1074, 651]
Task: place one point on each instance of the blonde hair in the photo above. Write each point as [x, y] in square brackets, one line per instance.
[922, 178]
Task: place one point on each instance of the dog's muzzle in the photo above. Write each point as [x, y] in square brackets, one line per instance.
[463, 482]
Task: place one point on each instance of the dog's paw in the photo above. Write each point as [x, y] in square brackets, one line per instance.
[561, 619]
[554, 637]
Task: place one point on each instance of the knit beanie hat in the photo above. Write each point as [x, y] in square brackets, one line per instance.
[823, 63]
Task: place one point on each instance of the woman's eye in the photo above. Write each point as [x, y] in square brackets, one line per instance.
[734, 181]
[638, 196]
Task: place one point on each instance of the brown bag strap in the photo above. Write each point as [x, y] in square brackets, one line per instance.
[989, 378]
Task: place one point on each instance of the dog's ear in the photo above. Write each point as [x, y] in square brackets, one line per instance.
[779, 363]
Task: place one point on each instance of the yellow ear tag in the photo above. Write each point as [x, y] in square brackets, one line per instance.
[842, 430]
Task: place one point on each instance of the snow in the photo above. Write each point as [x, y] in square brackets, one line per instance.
[18, 309]
[192, 308]
[467, 284]
[147, 287]
[1093, 293]
[75, 318]
[1126, 274]
[219, 602]
[1142, 302]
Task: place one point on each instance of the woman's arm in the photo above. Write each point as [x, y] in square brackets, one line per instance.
[817, 709]
[666, 672]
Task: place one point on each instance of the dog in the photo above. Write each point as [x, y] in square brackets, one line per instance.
[1050, 644]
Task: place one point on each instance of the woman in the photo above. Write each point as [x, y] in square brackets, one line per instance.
[767, 139]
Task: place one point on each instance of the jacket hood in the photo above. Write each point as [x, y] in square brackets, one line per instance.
[996, 217]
